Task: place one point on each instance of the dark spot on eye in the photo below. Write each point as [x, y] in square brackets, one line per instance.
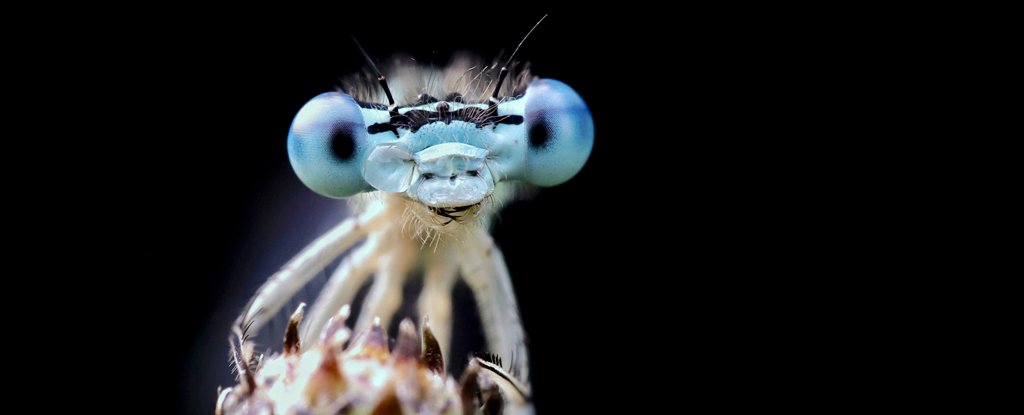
[343, 144]
[473, 173]
[539, 134]
[428, 176]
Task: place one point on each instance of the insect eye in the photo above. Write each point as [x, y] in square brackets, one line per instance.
[428, 176]
[560, 132]
[326, 144]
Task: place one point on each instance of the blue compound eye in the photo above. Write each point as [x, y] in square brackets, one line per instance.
[560, 132]
[326, 145]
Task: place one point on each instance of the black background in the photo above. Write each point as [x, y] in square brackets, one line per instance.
[669, 252]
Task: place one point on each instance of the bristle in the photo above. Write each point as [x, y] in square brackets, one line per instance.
[512, 388]
[243, 370]
[505, 68]
[492, 358]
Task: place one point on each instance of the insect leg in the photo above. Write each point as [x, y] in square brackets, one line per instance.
[484, 269]
[435, 300]
[518, 354]
[281, 286]
[342, 287]
[385, 295]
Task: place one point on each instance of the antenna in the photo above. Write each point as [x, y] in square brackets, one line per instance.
[380, 76]
[504, 69]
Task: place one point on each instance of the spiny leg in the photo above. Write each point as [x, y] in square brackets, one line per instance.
[520, 359]
[483, 268]
[281, 286]
[435, 300]
[385, 295]
[343, 285]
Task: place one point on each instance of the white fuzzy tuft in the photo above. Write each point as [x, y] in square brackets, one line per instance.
[464, 74]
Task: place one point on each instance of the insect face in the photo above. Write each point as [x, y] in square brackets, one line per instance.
[445, 155]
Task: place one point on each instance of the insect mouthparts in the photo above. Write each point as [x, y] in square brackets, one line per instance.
[452, 213]
[450, 210]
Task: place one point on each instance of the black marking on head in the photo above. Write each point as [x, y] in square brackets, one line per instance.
[414, 119]
[343, 144]
[454, 97]
[382, 127]
[539, 134]
[443, 112]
